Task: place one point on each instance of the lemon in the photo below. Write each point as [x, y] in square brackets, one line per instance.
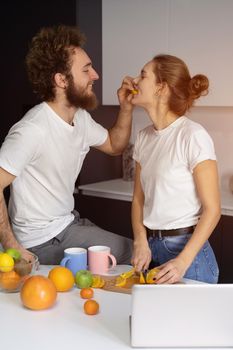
[6, 262]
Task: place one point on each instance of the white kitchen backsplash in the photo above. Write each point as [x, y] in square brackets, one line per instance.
[218, 121]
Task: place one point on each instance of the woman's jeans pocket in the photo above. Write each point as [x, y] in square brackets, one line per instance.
[203, 268]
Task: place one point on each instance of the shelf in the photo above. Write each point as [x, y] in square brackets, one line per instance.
[114, 189]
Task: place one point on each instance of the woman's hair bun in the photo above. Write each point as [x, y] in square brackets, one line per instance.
[198, 86]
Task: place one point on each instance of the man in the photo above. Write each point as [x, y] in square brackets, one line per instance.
[43, 153]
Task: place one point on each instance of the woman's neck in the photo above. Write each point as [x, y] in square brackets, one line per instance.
[162, 117]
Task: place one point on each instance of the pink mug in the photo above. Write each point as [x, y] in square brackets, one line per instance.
[98, 259]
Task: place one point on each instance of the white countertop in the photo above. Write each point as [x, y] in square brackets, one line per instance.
[123, 190]
[65, 325]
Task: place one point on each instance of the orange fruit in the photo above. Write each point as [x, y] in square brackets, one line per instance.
[86, 293]
[91, 307]
[38, 292]
[151, 275]
[9, 280]
[62, 278]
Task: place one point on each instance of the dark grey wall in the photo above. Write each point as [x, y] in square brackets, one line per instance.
[20, 20]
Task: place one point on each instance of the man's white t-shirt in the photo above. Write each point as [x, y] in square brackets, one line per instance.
[167, 158]
[46, 155]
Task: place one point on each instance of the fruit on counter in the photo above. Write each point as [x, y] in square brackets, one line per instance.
[6, 263]
[130, 276]
[9, 280]
[151, 275]
[98, 282]
[23, 267]
[62, 278]
[142, 279]
[14, 253]
[120, 281]
[83, 279]
[38, 293]
[86, 293]
[91, 307]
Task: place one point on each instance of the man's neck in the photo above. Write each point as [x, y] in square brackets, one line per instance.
[64, 111]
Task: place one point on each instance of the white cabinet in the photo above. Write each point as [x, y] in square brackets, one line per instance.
[200, 32]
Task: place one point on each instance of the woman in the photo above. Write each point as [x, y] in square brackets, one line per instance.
[176, 202]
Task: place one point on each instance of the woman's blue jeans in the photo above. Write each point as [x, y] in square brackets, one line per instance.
[204, 267]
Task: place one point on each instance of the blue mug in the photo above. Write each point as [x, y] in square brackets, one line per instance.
[75, 259]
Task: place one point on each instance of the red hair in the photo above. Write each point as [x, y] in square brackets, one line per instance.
[183, 89]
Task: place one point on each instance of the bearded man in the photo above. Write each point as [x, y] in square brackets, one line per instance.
[43, 153]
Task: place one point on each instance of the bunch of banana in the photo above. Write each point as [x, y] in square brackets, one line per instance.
[144, 277]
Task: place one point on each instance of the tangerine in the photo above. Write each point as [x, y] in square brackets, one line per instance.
[38, 292]
[86, 293]
[9, 280]
[91, 307]
[62, 277]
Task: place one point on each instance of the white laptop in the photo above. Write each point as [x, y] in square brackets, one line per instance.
[182, 315]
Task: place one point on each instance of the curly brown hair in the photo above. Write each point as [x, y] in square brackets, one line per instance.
[50, 53]
[183, 89]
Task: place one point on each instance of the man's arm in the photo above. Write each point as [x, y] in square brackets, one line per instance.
[7, 238]
[119, 134]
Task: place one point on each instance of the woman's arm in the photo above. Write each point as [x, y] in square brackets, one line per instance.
[205, 176]
[141, 253]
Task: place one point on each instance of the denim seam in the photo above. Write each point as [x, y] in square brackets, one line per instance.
[210, 265]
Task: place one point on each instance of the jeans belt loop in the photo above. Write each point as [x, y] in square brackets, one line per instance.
[160, 234]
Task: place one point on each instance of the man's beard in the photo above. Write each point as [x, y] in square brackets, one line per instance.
[79, 98]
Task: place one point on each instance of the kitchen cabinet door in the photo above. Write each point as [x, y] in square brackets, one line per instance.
[226, 266]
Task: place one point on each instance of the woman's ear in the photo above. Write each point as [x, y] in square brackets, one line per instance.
[60, 80]
[162, 89]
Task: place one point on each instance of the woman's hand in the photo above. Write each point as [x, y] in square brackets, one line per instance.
[171, 272]
[141, 255]
[125, 93]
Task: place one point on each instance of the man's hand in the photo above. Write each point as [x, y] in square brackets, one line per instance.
[125, 93]
[25, 254]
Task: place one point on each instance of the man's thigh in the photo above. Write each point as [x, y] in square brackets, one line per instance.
[81, 233]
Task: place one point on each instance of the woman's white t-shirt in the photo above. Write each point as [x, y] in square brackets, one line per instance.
[46, 155]
[167, 158]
